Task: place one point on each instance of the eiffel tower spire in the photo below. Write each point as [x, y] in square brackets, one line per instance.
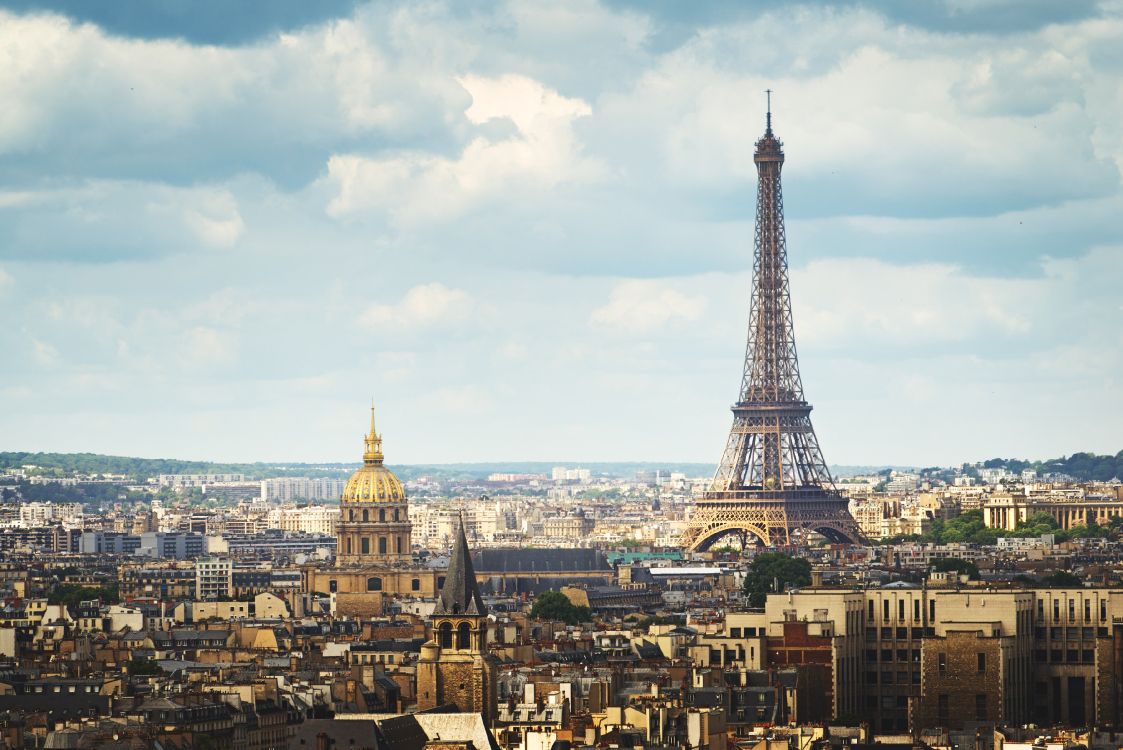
[772, 478]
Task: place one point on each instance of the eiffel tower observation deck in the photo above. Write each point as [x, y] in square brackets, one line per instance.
[772, 485]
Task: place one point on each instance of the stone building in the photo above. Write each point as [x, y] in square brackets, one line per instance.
[374, 555]
[374, 523]
[455, 666]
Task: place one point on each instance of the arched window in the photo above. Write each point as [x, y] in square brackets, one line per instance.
[396, 514]
[374, 584]
[440, 582]
[415, 584]
[366, 515]
[366, 545]
[382, 545]
[444, 635]
[382, 515]
[352, 515]
[333, 585]
[463, 635]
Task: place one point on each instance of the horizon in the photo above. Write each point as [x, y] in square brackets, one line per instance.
[528, 230]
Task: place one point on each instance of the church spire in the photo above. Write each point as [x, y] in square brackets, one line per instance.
[461, 593]
[373, 442]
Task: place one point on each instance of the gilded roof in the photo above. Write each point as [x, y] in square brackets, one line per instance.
[373, 482]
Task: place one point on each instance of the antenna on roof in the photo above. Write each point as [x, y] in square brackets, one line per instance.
[768, 120]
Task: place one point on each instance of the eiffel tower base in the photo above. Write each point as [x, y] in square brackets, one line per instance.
[771, 518]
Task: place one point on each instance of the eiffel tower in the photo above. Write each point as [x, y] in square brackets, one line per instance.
[772, 484]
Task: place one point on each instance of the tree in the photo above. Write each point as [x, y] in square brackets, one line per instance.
[554, 605]
[957, 565]
[1062, 579]
[770, 568]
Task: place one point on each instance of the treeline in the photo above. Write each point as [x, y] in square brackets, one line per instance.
[969, 527]
[1086, 467]
[61, 464]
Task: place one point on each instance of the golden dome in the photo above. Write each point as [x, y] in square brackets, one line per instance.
[373, 482]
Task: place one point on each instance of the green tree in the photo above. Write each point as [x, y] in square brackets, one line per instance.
[144, 667]
[771, 568]
[1062, 579]
[554, 605]
[956, 565]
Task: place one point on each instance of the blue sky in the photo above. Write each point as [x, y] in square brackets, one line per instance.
[525, 228]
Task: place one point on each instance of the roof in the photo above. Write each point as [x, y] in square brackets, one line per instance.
[540, 560]
[461, 592]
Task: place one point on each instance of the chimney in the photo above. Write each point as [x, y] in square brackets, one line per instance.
[816, 579]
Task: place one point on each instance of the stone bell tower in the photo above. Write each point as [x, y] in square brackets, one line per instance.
[455, 666]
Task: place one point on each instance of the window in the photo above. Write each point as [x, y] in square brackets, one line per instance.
[1087, 610]
[902, 633]
[885, 609]
[464, 635]
[374, 584]
[366, 515]
[942, 708]
[440, 582]
[916, 609]
[871, 608]
[444, 635]
[942, 662]
[886, 633]
[871, 654]
[365, 545]
[398, 544]
[382, 545]
[982, 661]
[382, 515]
[980, 706]
[901, 609]
[931, 610]
[415, 584]
[332, 586]
[902, 654]
[1040, 609]
[1088, 656]
[887, 654]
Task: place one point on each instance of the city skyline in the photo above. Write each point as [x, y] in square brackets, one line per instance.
[219, 246]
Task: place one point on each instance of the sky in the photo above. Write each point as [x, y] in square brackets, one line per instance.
[525, 228]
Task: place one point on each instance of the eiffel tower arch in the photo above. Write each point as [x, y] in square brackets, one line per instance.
[772, 485]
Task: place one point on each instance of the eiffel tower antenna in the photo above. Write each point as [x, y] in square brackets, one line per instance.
[772, 479]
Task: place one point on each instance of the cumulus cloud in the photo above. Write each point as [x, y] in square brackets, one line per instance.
[424, 305]
[200, 231]
[542, 152]
[641, 306]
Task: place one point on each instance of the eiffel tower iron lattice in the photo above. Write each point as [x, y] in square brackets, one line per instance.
[772, 482]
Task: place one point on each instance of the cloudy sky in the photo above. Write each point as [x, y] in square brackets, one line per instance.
[525, 228]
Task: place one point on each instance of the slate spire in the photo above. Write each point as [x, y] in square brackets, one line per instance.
[461, 594]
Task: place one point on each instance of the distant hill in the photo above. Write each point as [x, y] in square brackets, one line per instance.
[1082, 466]
[1086, 467]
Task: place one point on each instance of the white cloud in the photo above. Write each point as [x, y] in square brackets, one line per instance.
[6, 280]
[424, 305]
[640, 306]
[419, 187]
[216, 220]
[204, 347]
[44, 353]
